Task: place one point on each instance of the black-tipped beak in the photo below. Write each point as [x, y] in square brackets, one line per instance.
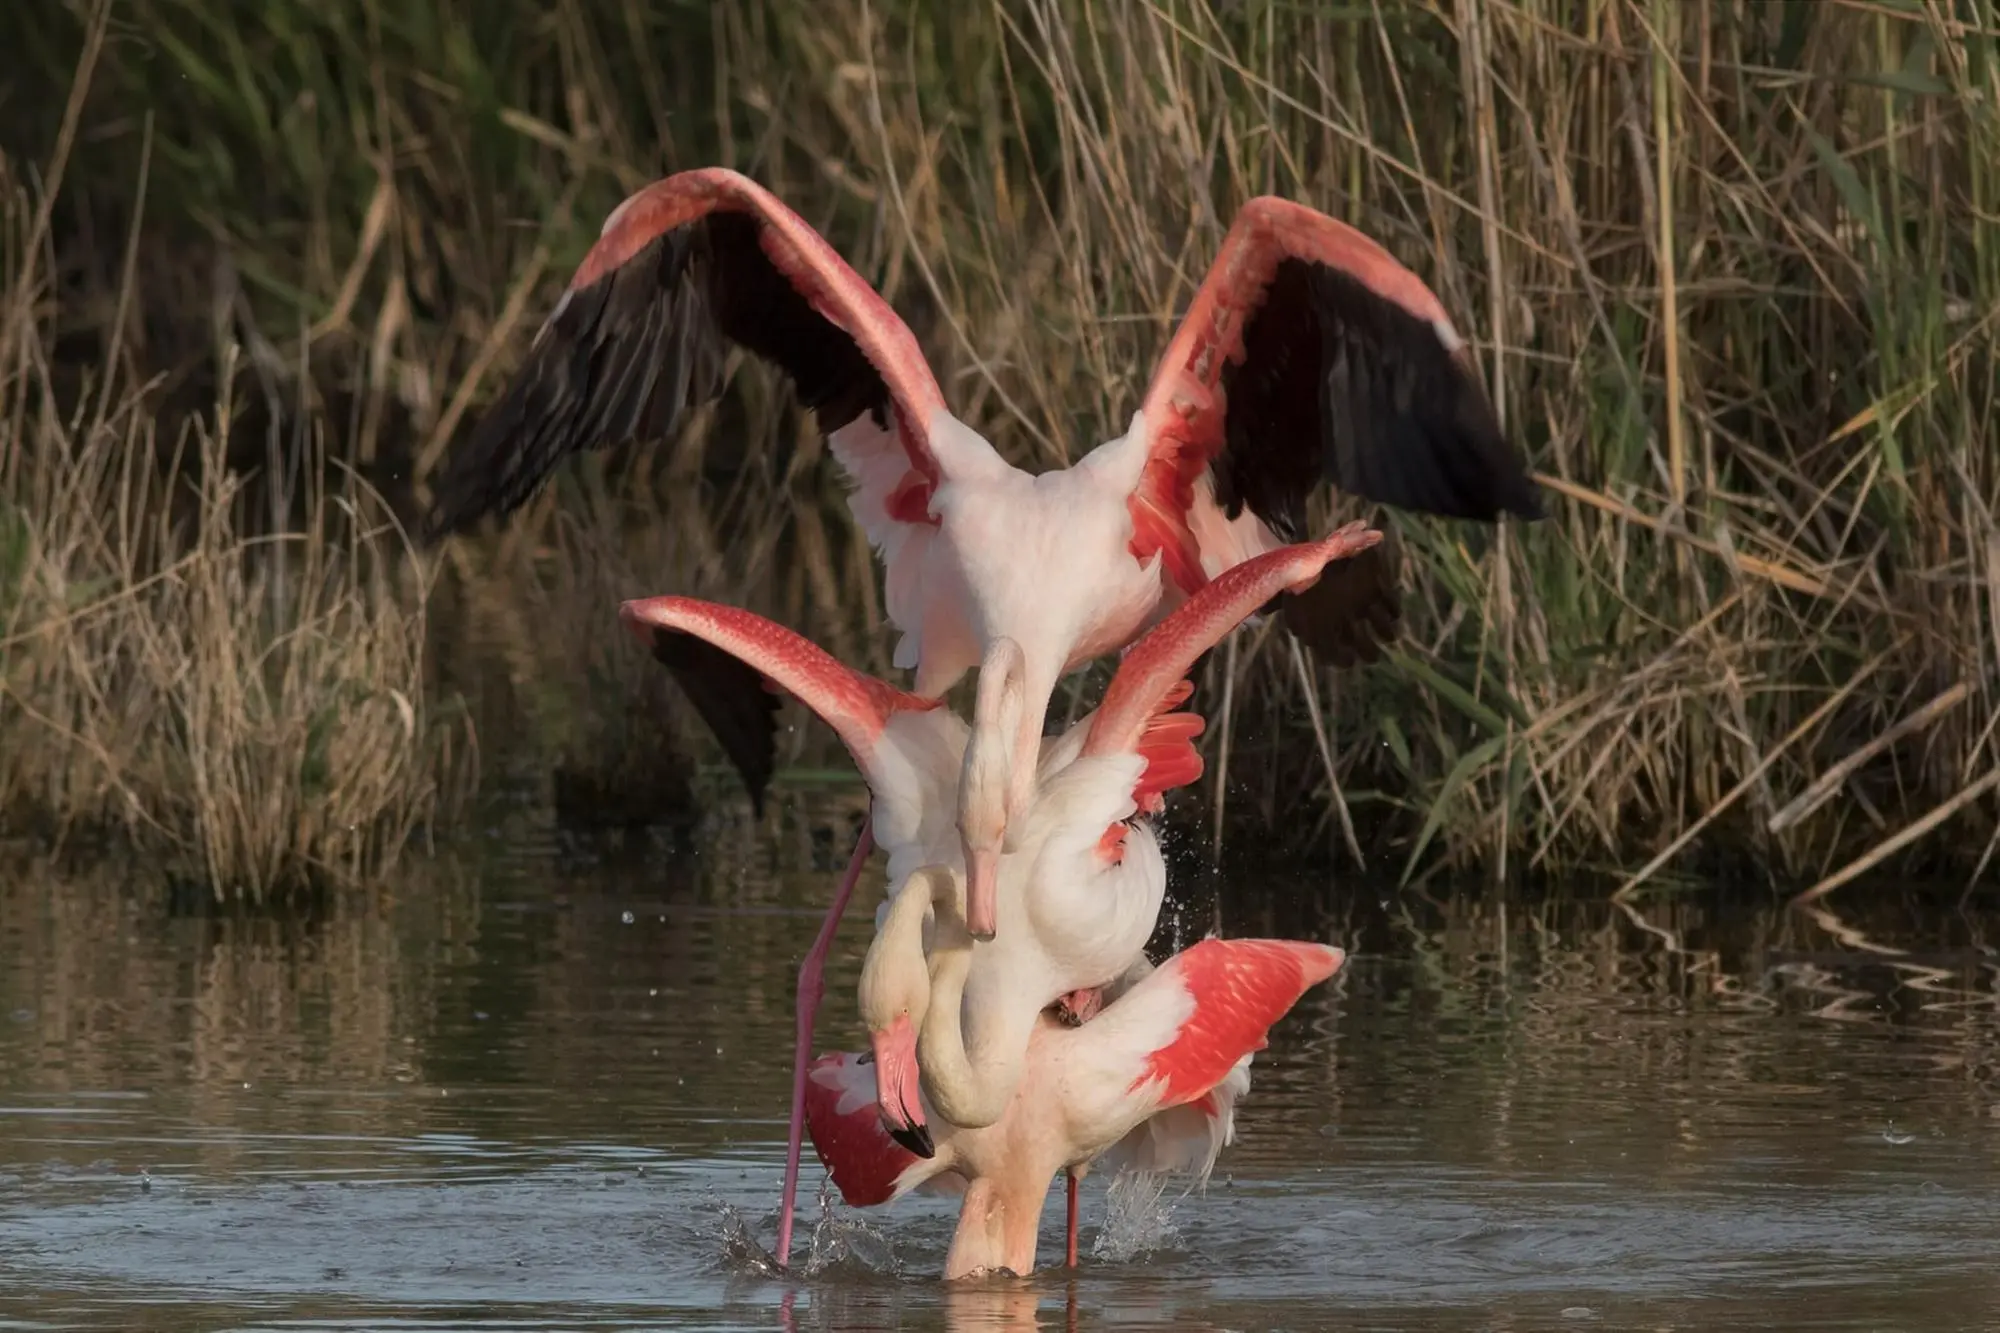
[917, 1139]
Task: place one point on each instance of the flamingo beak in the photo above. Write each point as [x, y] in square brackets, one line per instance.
[896, 1092]
[982, 892]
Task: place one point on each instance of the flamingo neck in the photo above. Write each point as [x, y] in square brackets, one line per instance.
[992, 773]
[893, 978]
[968, 1088]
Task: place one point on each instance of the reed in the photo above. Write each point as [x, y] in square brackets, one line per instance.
[229, 675]
[1731, 268]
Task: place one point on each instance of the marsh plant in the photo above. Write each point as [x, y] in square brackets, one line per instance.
[1730, 267]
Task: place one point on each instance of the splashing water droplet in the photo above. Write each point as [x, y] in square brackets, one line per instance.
[1138, 1219]
[841, 1240]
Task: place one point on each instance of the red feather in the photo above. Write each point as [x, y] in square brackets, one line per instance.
[1240, 988]
[1167, 745]
[854, 1148]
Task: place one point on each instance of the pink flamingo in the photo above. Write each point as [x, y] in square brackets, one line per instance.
[1155, 1074]
[1086, 887]
[1082, 894]
[1308, 353]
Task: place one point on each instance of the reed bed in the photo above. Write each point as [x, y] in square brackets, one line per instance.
[1732, 269]
[229, 676]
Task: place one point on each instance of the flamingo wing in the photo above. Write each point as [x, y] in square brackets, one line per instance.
[857, 706]
[845, 1125]
[731, 697]
[1151, 677]
[684, 267]
[1139, 712]
[1308, 355]
[1236, 990]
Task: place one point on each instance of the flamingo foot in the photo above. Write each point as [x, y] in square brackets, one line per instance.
[1080, 1006]
[812, 986]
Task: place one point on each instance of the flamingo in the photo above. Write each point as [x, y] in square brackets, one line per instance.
[1090, 886]
[1082, 894]
[1155, 1074]
[1308, 352]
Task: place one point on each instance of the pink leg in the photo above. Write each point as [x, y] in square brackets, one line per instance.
[812, 986]
[1071, 1247]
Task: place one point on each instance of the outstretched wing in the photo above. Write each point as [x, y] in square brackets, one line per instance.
[1236, 990]
[768, 656]
[1138, 713]
[683, 268]
[1310, 355]
[1154, 668]
[732, 698]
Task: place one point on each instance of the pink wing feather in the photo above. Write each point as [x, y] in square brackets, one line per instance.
[683, 268]
[845, 1126]
[1339, 363]
[1153, 670]
[1239, 988]
[855, 705]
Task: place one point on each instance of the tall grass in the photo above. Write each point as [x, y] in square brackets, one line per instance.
[1731, 267]
[230, 675]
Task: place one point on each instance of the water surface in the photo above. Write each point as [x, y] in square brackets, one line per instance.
[541, 1084]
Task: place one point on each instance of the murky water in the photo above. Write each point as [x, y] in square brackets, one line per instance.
[533, 1087]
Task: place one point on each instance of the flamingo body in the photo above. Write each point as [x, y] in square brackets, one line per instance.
[1153, 1078]
[1308, 354]
[1081, 892]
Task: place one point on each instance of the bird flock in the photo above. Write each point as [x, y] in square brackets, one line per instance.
[1018, 1028]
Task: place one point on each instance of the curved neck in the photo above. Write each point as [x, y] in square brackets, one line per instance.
[988, 777]
[969, 1089]
[892, 973]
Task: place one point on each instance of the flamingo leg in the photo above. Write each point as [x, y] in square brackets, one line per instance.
[1070, 1246]
[812, 986]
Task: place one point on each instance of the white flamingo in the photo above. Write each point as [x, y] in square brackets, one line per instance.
[1308, 354]
[1082, 893]
[1155, 1076]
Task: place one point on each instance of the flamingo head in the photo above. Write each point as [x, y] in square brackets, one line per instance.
[894, 996]
[998, 778]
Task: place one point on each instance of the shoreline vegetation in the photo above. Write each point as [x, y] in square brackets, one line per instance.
[1732, 270]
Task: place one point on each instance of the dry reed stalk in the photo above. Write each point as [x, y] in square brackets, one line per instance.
[1730, 265]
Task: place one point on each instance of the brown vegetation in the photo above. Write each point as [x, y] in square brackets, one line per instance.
[1732, 267]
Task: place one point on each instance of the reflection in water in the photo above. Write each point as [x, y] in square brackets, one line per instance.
[540, 1085]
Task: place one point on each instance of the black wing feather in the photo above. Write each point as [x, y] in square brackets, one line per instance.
[623, 357]
[1353, 610]
[732, 698]
[620, 361]
[1337, 384]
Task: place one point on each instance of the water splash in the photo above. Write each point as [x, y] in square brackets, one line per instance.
[838, 1244]
[742, 1252]
[843, 1243]
[1138, 1217]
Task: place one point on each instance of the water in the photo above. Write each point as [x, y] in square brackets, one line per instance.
[529, 1087]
